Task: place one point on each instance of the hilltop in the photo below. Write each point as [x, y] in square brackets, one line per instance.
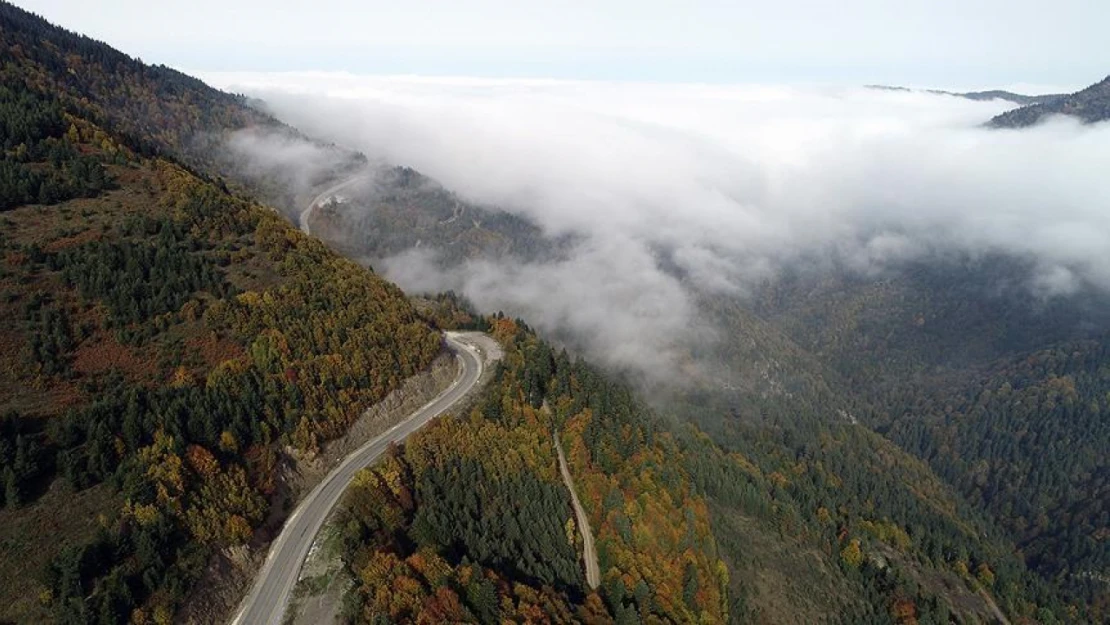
[1089, 105]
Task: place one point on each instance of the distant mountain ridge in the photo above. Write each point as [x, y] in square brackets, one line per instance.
[993, 94]
[1090, 105]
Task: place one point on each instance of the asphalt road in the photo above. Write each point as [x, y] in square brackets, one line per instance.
[319, 199]
[589, 553]
[266, 603]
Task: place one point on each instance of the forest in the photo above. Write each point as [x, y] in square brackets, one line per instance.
[469, 520]
[41, 162]
[172, 341]
[154, 110]
[1001, 394]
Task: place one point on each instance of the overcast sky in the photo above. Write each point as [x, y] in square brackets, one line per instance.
[946, 43]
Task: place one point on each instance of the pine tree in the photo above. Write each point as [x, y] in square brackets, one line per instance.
[690, 585]
[12, 496]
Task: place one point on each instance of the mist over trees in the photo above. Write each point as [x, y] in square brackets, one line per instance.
[653, 195]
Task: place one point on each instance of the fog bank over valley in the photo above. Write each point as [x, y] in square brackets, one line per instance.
[671, 191]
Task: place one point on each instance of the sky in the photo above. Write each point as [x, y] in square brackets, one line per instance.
[939, 43]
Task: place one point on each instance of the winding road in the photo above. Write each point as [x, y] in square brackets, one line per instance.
[319, 199]
[266, 603]
[589, 553]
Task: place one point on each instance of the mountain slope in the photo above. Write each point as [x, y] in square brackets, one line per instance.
[178, 346]
[1003, 394]
[1089, 105]
[397, 209]
[1016, 98]
[167, 342]
[470, 522]
[157, 110]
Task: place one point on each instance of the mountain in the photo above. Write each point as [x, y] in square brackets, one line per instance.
[394, 209]
[1016, 98]
[1089, 105]
[417, 518]
[993, 94]
[154, 108]
[166, 341]
[999, 392]
[182, 354]
[804, 441]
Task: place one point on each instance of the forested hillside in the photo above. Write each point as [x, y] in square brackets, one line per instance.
[397, 209]
[41, 161]
[833, 384]
[956, 362]
[1089, 105]
[470, 521]
[1002, 393]
[165, 342]
[815, 518]
[153, 109]
[991, 94]
[1028, 440]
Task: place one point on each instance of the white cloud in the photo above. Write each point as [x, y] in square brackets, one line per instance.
[733, 182]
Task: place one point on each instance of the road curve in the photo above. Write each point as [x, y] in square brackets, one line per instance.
[266, 603]
[589, 553]
[319, 199]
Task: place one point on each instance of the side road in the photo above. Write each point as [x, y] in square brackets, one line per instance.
[589, 553]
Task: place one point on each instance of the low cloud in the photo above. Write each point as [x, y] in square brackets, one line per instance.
[297, 161]
[673, 190]
[286, 165]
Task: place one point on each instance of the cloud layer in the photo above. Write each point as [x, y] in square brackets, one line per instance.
[725, 185]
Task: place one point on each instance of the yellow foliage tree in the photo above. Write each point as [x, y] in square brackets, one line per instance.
[852, 554]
